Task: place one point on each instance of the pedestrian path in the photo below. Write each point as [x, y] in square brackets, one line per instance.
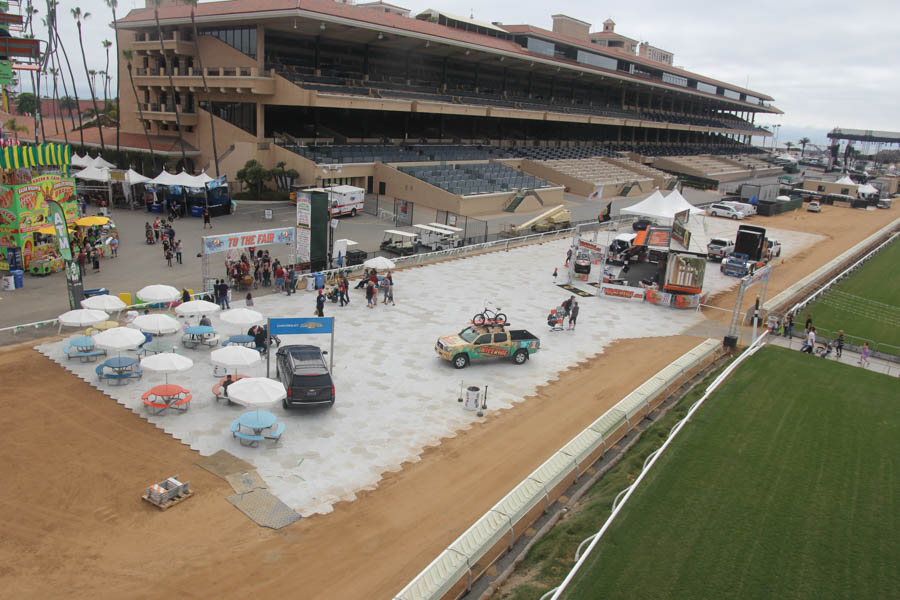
[848, 357]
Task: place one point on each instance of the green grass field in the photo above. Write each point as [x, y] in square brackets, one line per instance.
[865, 305]
[780, 487]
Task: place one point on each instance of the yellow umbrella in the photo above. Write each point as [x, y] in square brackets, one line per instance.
[89, 221]
[50, 230]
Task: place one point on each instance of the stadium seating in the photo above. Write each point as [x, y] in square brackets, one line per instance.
[367, 153]
[469, 179]
[596, 171]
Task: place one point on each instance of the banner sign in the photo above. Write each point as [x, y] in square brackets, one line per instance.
[657, 297]
[236, 241]
[57, 218]
[686, 300]
[623, 291]
[304, 211]
[301, 325]
[74, 284]
[590, 246]
[684, 273]
[680, 234]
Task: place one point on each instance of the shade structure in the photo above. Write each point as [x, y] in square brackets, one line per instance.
[196, 307]
[119, 338]
[845, 180]
[80, 161]
[93, 173]
[158, 293]
[157, 324]
[166, 362]
[235, 357]
[165, 178]
[82, 317]
[380, 262]
[242, 317]
[132, 177]
[92, 221]
[867, 188]
[99, 162]
[103, 302]
[256, 392]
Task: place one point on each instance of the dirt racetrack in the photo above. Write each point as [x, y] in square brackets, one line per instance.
[75, 464]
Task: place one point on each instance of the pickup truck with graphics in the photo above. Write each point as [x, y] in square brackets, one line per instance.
[490, 341]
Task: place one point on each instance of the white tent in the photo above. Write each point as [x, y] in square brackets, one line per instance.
[660, 208]
[132, 177]
[80, 161]
[182, 179]
[203, 178]
[165, 178]
[93, 174]
[866, 189]
[845, 180]
[100, 163]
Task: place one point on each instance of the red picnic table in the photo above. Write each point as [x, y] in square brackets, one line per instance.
[162, 397]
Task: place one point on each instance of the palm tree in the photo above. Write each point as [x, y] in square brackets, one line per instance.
[165, 64]
[113, 5]
[25, 103]
[54, 72]
[79, 17]
[128, 55]
[106, 45]
[68, 102]
[30, 11]
[789, 145]
[14, 127]
[212, 124]
[803, 142]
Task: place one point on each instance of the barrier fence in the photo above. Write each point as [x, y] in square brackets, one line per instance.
[454, 570]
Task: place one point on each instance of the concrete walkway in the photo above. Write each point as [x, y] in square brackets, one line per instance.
[848, 357]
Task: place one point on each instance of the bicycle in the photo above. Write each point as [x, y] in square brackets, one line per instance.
[489, 317]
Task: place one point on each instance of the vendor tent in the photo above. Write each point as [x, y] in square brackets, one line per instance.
[93, 174]
[132, 177]
[661, 208]
[677, 203]
[99, 162]
[165, 178]
[866, 189]
[845, 180]
[80, 161]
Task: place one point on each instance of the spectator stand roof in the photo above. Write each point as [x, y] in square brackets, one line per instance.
[865, 135]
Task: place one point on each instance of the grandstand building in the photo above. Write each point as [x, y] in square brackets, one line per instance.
[346, 93]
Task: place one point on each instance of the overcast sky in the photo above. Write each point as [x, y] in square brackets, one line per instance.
[826, 63]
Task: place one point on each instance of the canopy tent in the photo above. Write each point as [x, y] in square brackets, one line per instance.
[183, 179]
[866, 189]
[845, 180]
[661, 208]
[100, 163]
[132, 177]
[93, 174]
[164, 178]
[80, 161]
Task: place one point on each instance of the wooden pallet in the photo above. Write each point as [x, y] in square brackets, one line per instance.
[169, 503]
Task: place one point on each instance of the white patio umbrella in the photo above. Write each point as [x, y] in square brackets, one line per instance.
[256, 392]
[242, 317]
[196, 307]
[235, 357]
[166, 362]
[158, 293]
[119, 338]
[157, 324]
[380, 262]
[103, 302]
[82, 317]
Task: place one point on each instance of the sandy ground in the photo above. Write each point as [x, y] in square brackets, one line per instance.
[75, 463]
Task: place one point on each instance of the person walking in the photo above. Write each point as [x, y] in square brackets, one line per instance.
[169, 255]
[320, 304]
[555, 273]
[387, 285]
[342, 292]
[808, 322]
[82, 261]
[95, 258]
[789, 325]
[370, 295]
[568, 257]
[249, 300]
[839, 344]
[810, 344]
[156, 229]
[178, 250]
[289, 281]
[114, 246]
[206, 218]
[573, 314]
[864, 355]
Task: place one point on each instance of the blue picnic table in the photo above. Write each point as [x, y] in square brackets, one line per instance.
[119, 363]
[199, 334]
[120, 369]
[257, 421]
[241, 340]
[82, 343]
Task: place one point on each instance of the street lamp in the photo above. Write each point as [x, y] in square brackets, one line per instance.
[775, 139]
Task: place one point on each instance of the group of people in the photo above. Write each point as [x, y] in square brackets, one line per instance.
[372, 283]
[162, 230]
[87, 246]
[258, 269]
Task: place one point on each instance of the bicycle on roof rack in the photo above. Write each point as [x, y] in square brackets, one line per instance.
[489, 317]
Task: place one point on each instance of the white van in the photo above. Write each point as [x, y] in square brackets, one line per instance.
[723, 210]
[346, 200]
[745, 207]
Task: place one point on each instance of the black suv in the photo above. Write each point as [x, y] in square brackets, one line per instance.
[305, 375]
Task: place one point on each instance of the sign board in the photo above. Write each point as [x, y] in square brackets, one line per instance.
[684, 273]
[268, 214]
[58, 218]
[590, 246]
[74, 284]
[682, 216]
[622, 291]
[680, 234]
[304, 212]
[117, 175]
[301, 325]
[235, 241]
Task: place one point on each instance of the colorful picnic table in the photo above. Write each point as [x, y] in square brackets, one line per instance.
[160, 398]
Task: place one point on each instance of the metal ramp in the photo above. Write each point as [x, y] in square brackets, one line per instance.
[514, 203]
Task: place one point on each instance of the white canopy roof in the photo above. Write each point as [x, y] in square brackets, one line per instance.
[182, 179]
[661, 208]
[132, 177]
[100, 163]
[80, 161]
[867, 188]
[93, 174]
[845, 180]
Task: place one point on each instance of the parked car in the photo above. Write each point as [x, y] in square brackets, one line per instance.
[718, 249]
[475, 343]
[723, 210]
[745, 207]
[305, 375]
[641, 224]
[814, 207]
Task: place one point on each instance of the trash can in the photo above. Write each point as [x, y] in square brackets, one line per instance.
[9, 283]
[196, 210]
[473, 398]
[96, 292]
[18, 278]
[320, 281]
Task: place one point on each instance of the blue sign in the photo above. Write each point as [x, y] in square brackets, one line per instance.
[301, 325]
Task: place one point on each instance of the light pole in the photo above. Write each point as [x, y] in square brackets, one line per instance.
[775, 139]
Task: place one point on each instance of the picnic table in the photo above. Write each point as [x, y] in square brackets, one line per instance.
[257, 421]
[156, 347]
[82, 343]
[241, 340]
[199, 334]
[219, 391]
[103, 326]
[121, 368]
[82, 347]
[163, 397]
